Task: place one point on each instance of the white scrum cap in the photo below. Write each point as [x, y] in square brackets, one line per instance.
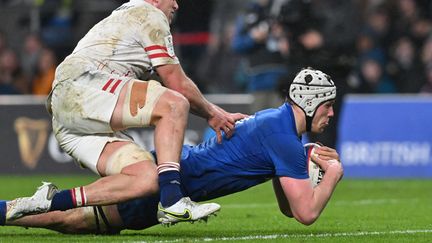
[310, 89]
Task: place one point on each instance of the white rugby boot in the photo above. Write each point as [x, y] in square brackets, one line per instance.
[185, 210]
[40, 202]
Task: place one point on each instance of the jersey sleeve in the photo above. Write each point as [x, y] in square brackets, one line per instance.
[288, 156]
[155, 37]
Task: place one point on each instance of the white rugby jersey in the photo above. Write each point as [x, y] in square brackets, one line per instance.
[133, 40]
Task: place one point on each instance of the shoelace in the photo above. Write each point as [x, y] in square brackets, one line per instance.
[189, 203]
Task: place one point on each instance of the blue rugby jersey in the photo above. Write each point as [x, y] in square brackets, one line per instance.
[264, 146]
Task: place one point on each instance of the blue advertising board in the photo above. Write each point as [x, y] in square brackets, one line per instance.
[386, 136]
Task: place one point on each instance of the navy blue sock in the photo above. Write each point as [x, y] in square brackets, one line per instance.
[169, 186]
[3, 208]
[62, 201]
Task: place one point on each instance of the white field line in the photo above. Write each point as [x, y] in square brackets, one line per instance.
[376, 201]
[249, 205]
[337, 203]
[297, 236]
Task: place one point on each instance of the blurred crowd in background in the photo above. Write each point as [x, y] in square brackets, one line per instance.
[241, 46]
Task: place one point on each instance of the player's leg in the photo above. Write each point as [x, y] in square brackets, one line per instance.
[85, 220]
[128, 172]
[82, 110]
[150, 104]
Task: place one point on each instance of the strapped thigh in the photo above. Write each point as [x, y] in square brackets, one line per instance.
[102, 224]
[97, 222]
[124, 156]
[137, 110]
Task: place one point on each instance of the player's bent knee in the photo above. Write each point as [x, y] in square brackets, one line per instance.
[180, 102]
[173, 104]
[140, 100]
[143, 183]
[127, 156]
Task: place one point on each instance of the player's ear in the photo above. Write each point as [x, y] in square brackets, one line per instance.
[153, 2]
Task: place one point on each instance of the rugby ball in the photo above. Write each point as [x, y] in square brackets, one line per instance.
[315, 172]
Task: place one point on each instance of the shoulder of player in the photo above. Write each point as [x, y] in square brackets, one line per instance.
[270, 117]
[275, 123]
[142, 13]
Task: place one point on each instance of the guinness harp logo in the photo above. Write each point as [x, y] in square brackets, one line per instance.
[32, 137]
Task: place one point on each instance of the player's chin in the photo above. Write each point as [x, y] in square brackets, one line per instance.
[323, 126]
[169, 17]
[319, 129]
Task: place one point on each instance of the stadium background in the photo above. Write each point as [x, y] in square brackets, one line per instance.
[378, 49]
[379, 52]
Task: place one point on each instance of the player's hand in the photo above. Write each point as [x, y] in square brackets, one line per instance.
[326, 158]
[326, 153]
[224, 121]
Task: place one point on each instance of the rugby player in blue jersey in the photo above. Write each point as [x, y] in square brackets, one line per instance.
[265, 146]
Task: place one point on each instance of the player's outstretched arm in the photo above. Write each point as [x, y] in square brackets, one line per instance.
[304, 202]
[219, 120]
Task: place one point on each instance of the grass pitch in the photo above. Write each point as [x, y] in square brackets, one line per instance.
[360, 211]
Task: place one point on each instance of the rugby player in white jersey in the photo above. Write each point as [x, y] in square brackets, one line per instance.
[103, 88]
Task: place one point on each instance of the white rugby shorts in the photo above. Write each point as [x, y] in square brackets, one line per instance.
[82, 108]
